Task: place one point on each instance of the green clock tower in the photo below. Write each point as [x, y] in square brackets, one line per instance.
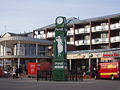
[60, 50]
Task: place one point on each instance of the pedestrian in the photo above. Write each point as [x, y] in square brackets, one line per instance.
[96, 74]
[19, 71]
[14, 72]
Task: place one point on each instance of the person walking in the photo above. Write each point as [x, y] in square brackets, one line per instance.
[17, 72]
[14, 72]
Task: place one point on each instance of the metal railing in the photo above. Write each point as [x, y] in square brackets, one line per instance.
[44, 75]
[73, 75]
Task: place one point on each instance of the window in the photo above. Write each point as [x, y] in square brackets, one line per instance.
[86, 37]
[104, 47]
[41, 50]
[71, 39]
[30, 49]
[104, 35]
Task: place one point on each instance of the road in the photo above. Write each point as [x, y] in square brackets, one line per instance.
[31, 84]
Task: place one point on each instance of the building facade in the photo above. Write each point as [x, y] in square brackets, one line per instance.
[93, 39]
[19, 49]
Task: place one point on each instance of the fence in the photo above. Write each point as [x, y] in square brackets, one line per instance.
[44, 75]
[72, 75]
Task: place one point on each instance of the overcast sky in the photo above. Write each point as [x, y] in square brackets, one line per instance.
[19, 16]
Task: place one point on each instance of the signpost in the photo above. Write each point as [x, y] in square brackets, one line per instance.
[60, 50]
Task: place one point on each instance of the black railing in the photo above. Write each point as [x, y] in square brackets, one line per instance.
[44, 75]
[73, 75]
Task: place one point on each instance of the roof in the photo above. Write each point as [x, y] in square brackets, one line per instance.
[15, 34]
[70, 21]
[99, 18]
[12, 39]
[74, 20]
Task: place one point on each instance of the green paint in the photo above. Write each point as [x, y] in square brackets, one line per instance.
[60, 51]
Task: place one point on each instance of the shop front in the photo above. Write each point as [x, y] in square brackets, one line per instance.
[88, 60]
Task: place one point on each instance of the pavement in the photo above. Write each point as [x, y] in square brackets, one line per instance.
[32, 84]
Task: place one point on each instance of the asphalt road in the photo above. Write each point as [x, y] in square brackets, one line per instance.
[31, 84]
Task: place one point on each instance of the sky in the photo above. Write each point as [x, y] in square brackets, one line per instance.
[19, 16]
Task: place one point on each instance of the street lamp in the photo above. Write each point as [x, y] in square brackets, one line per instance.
[97, 60]
[90, 55]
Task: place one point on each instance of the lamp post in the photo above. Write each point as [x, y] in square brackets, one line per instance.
[89, 64]
[97, 60]
[90, 55]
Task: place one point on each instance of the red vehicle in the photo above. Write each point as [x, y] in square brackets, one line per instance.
[34, 67]
[109, 70]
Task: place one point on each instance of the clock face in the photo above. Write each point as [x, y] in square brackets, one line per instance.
[59, 20]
